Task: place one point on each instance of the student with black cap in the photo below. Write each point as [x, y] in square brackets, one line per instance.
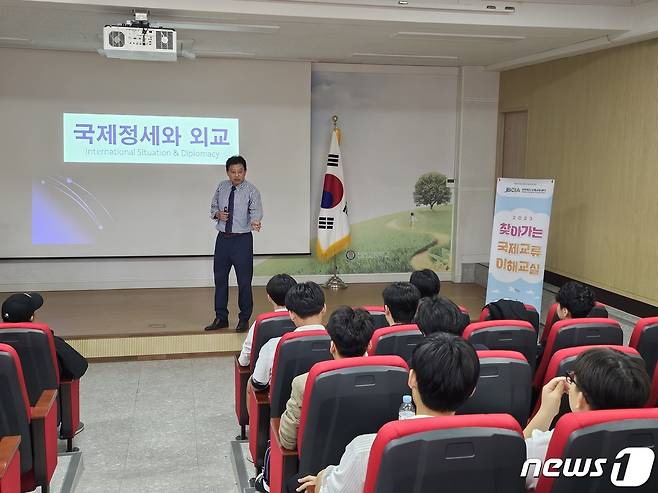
[19, 308]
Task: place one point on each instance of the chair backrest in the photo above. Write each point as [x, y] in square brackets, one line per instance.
[14, 404]
[504, 386]
[601, 435]
[400, 340]
[653, 397]
[599, 311]
[645, 340]
[378, 316]
[531, 314]
[563, 361]
[578, 332]
[295, 354]
[459, 454]
[35, 346]
[346, 398]
[268, 326]
[509, 335]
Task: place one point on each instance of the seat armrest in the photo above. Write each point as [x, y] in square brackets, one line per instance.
[284, 463]
[44, 437]
[10, 464]
[69, 401]
[8, 452]
[258, 402]
[241, 377]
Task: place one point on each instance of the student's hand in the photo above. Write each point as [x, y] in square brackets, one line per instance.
[222, 216]
[551, 396]
[255, 225]
[306, 482]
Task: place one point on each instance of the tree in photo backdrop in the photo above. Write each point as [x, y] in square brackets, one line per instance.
[432, 189]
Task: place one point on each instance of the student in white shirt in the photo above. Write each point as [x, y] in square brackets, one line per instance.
[443, 375]
[602, 378]
[305, 303]
[276, 290]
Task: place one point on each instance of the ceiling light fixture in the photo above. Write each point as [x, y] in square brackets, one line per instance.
[211, 26]
[460, 36]
[393, 55]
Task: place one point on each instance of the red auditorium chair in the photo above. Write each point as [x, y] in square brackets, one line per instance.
[378, 315]
[295, 354]
[36, 425]
[35, 346]
[459, 454]
[653, 397]
[504, 386]
[599, 311]
[577, 332]
[600, 434]
[399, 340]
[485, 315]
[267, 326]
[508, 335]
[342, 400]
[645, 340]
[563, 361]
[10, 465]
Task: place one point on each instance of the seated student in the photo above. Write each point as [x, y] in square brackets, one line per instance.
[276, 290]
[20, 307]
[444, 371]
[427, 282]
[602, 378]
[439, 315]
[350, 331]
[305, 303]
[574, 300]
[400, 302]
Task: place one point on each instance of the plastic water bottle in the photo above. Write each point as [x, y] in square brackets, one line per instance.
[407, 409]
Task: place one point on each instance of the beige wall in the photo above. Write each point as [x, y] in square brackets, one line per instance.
[593, 126]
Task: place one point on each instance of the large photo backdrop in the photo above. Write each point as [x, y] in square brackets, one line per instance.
[398, 142]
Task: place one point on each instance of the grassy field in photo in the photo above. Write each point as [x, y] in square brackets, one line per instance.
[384, 244]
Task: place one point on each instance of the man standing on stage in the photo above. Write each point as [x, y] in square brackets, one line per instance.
[237, 208]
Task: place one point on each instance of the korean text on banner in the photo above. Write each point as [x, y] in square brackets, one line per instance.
[519, 240]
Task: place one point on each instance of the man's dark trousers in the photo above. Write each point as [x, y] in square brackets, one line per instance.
[237, 251]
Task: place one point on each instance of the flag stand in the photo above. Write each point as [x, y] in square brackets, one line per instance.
[335, 282]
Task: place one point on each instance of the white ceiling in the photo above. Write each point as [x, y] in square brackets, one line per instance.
[425, 32]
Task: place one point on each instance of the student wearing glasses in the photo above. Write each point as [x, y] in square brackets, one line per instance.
[602, 378]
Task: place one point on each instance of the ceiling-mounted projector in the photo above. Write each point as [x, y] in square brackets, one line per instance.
[137, 40]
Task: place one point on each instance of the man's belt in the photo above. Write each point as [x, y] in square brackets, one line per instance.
[230, 235]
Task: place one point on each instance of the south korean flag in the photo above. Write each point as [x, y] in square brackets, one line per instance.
[333, 221]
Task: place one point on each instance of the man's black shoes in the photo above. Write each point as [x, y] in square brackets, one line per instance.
[217, 324]
[243, 326]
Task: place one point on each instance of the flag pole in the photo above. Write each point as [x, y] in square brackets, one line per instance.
[335, 282]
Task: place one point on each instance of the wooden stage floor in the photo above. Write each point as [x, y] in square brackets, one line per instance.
[91, 320]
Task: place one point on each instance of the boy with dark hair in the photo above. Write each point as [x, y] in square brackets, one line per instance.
[439, 315]
[444, 371]
[350, 331]
[400, 302]
[305, 303]
[603, 378]
[276, 289]
[574, 300]
[427, 282]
